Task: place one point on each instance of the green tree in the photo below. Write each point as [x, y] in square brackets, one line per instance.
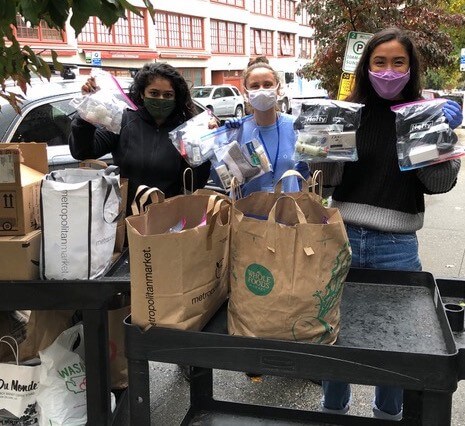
[426, 21]
[19, 62]
[458, 39]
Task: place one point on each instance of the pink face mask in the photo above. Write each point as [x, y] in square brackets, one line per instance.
[388, 84]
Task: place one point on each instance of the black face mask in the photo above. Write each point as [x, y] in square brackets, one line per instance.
[159, 108]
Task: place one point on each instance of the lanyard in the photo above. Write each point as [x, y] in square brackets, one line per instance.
[275, 162]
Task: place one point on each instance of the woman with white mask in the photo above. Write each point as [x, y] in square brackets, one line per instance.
[273, 129]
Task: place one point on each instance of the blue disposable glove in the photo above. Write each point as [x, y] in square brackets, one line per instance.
[453, 113]
[303, 168]
[233, 123]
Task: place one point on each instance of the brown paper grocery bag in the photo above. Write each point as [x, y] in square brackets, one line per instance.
[288, 266]
[179, 278]
[118, 361]
[42, 329]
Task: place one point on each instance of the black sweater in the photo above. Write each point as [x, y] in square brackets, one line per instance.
[142, 150]
[376, 178]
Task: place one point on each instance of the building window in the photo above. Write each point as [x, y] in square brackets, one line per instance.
[125, 32]
[193, 76]
[261, 42]
[227, 37]
[304, 18]
[286, 44]
[305, 48]
[238, 3]
[179, 31]
[42, 32]
[286, 9]
[263, 7]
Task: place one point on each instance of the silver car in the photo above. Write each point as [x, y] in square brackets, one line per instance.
[223, 100]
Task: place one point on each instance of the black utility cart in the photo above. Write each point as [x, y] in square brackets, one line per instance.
[394, 332]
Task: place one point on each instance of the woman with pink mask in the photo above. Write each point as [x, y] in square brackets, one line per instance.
[381, 205]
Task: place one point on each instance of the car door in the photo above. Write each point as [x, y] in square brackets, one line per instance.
[229, 101]
[218, 101]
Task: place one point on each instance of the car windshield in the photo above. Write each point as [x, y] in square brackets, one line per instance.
[201, 92]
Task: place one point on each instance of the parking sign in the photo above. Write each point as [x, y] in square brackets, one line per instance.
[355, 44]
[96, 58]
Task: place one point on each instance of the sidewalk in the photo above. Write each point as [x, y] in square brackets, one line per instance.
[442, 251]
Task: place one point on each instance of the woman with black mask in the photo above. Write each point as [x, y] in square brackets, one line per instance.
[142, 149]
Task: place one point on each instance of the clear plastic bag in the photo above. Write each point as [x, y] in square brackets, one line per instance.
[105, 106]
[244, 161]
[423, 135]
[326, 129]
[188, 139]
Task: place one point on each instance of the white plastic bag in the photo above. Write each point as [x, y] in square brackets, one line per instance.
[105, 106]
[61, 396]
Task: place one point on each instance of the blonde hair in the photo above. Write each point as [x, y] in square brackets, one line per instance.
[259, 62]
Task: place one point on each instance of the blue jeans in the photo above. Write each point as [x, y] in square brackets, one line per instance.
[376, 250]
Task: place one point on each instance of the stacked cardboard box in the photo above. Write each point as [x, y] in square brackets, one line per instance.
[22, 167]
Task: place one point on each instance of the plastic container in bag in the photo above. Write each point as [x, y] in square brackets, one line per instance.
[188, 139]
[235, 158]
[326, 129]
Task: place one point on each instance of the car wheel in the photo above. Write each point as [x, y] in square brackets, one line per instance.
[239, 113]
[284, 106]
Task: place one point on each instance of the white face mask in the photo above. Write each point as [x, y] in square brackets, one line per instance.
[263, 99]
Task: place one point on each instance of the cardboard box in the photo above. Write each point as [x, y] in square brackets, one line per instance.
[19, 256]
[22, 168]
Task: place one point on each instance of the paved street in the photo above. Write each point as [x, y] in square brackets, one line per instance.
[442, 250]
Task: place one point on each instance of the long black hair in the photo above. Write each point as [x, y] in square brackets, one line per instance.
[363, 90]
[185, 108]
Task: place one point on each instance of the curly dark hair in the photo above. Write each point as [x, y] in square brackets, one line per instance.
[363, 90]
[185, 108]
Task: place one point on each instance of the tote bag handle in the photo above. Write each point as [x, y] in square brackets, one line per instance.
[112, 184]
[271, 228]
[316, 180]
[214, 216]
[279, 184]
[145, 196]
[10, 341]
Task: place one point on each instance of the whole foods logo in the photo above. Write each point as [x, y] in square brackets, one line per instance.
[258, 279]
